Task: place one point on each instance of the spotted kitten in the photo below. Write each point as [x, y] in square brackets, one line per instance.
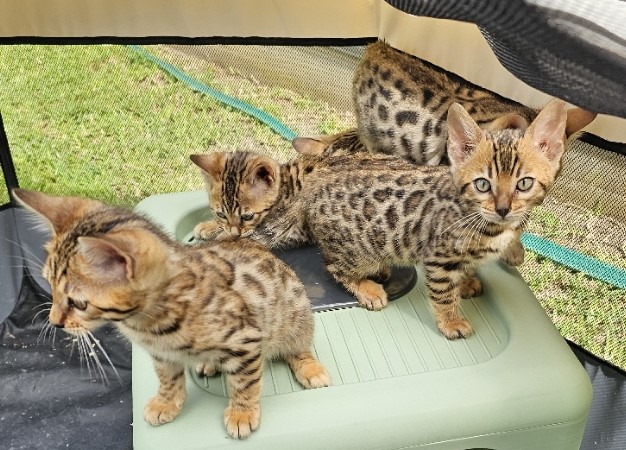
[248, 192]
[223, 306]
[367, 215]
[401, 103]
[348, 142]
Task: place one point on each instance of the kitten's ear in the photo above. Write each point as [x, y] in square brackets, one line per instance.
[577, 119]
[57, 212]
[547, 132]
[509, 121]
[105, 259]
[212, 164]
[263, 173]
[309, 146]
[463, 134]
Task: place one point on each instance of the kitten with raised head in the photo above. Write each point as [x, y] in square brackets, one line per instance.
[451, 219]
[368, 213]
[221, 306]
[348, 142]
[401, 103]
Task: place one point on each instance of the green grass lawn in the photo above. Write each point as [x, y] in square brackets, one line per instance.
[101, 121]
[586, 311]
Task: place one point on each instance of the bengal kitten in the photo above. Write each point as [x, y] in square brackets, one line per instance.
[367, 215]
[348, 142]
[223, 306]
[248, 192]
[401, 103]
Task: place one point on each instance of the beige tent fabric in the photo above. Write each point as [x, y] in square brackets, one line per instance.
[189, 18]
[456, 46]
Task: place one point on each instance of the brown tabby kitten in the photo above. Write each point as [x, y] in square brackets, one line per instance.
[223, 305]
[401, 104]
[367, 215]
[248, 192]
[348, 142]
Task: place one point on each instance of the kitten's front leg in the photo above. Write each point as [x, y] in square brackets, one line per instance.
[383, 275]
[167, 404]
[470, 285]
[368, 293]
[243, 414]
[443, 288]
[308, 370]
[209, 230]
[514, 253]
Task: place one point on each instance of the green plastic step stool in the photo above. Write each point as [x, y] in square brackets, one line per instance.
[397, 382]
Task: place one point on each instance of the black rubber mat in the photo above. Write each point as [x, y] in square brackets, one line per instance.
[324, 292]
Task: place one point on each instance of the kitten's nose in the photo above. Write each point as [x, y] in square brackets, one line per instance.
[503, 211]
[235, 231]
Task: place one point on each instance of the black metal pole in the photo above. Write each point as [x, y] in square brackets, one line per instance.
[6, 161]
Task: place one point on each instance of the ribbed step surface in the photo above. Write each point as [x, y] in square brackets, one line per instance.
[357, 345]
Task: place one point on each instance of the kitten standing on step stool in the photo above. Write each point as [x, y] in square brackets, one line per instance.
[221, 306]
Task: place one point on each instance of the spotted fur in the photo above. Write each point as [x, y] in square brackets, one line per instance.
[402, 101]
[369, 213]
[223, 306]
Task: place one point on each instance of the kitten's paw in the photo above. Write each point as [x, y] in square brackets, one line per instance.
[158, 412]
[240, 423]
[371, 295]
[205, 370]
[455, 329]
[514, 254]
[470, 287]
[207, 231]
[308, 371]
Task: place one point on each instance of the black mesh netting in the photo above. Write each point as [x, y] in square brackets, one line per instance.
[570, 49]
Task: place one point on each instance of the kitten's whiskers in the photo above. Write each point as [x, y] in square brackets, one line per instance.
[463, 220]
[467, 230]
[97, 342]
[23, 247]
[481, 225]
[43, 331]
[83, 352]
[45, 310]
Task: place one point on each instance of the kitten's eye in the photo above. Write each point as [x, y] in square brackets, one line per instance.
[247, 217]
[81, 306]
[525, 183]
[220, 214]
[482, 185]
